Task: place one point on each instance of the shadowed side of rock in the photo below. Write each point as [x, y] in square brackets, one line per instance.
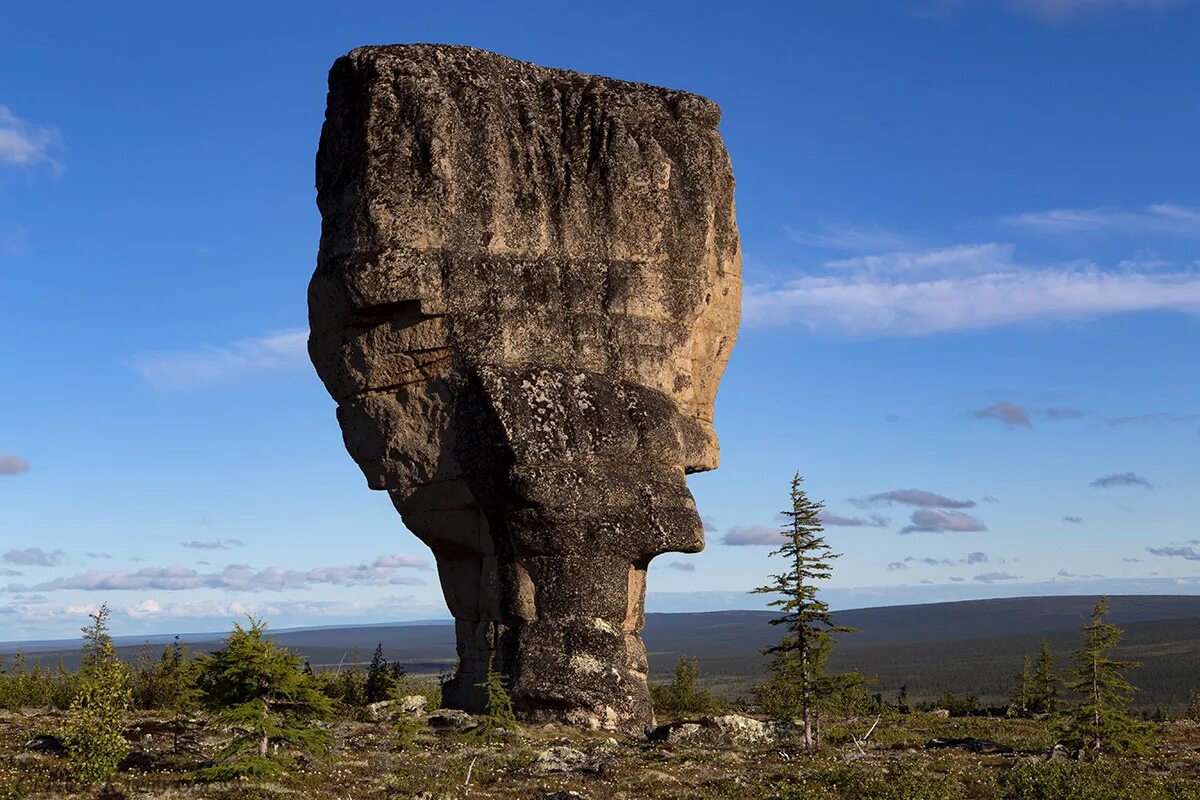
[527, 290]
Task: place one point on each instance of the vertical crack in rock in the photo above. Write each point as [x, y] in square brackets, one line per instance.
[527, 289]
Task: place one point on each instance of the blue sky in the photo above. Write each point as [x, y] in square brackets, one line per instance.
[971, 235]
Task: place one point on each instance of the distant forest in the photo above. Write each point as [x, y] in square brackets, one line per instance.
[972, 647]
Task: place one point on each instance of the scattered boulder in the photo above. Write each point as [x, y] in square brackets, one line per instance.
[378, 711]
[47, 743]
[727, 730]
[412, 704]
[970, 744]
[563, 759]
[940, 713]
[451, 719]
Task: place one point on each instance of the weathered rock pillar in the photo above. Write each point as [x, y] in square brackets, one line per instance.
[528, 287]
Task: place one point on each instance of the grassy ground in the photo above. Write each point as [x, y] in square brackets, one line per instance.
[367, 762]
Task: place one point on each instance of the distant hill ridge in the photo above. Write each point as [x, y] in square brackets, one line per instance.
[971, 646]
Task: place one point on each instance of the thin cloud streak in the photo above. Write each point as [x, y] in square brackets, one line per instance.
[968, 287]
[23, 144]
[1186, 553]
[284, 351]
[215, 544]
[34, 557]
[871, 521]
[911, 497]
[752, 535]
[1011, 414]
[935, 520]
[1161, 218]
[851, 238]
[235, 577]
[13, 465]
[1120, 479]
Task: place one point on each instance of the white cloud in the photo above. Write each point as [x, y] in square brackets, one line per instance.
[236, 577]
[740, 535]
[1063, 10]
[851, 238]
[935, 520]
[34, 557]
[1161, 218]
[967, 287]
[911, 497]
[1011, 414]
[993, 577]
[213, 544]
[284, 351]
[24, 144]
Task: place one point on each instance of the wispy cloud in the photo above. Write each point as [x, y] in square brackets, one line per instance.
[1011, 414]
[1120, 479]
[1159, 219]
[977, 557]
[24, 144]
[1187, 553]
[235, 577]
[870, 521]
[682, 566]
[966, 287]
[12, 465]
[213, 544]
[741, 535]
[993, 577]
[1154, 418]
[1075, 576]
[284, 351]
[1073, 519]
[35, 557]
[935, 520]
[851, 238]
[911, 497]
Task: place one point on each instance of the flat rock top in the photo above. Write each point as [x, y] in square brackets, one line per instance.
[474, 66]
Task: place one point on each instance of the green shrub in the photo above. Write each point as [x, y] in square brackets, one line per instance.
[94, 743]
[23, 686]
[683, 695]
[959, 705]
[346, 685]
[259, 694]
[1067, 780]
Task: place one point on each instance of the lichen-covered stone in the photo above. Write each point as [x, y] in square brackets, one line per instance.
[527, 289]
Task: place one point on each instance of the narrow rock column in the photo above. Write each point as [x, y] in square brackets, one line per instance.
[527, 289]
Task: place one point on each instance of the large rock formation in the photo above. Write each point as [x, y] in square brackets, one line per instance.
[527, 290]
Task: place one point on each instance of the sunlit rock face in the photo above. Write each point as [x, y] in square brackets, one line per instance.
[527, 290]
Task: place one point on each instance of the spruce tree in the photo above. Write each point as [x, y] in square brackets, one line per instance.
[259, 693]
[380, 680]
[93, 737]
[1044, 684]
[498, 711]
[1099, 722]
[800, 655]
[1019, 705]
